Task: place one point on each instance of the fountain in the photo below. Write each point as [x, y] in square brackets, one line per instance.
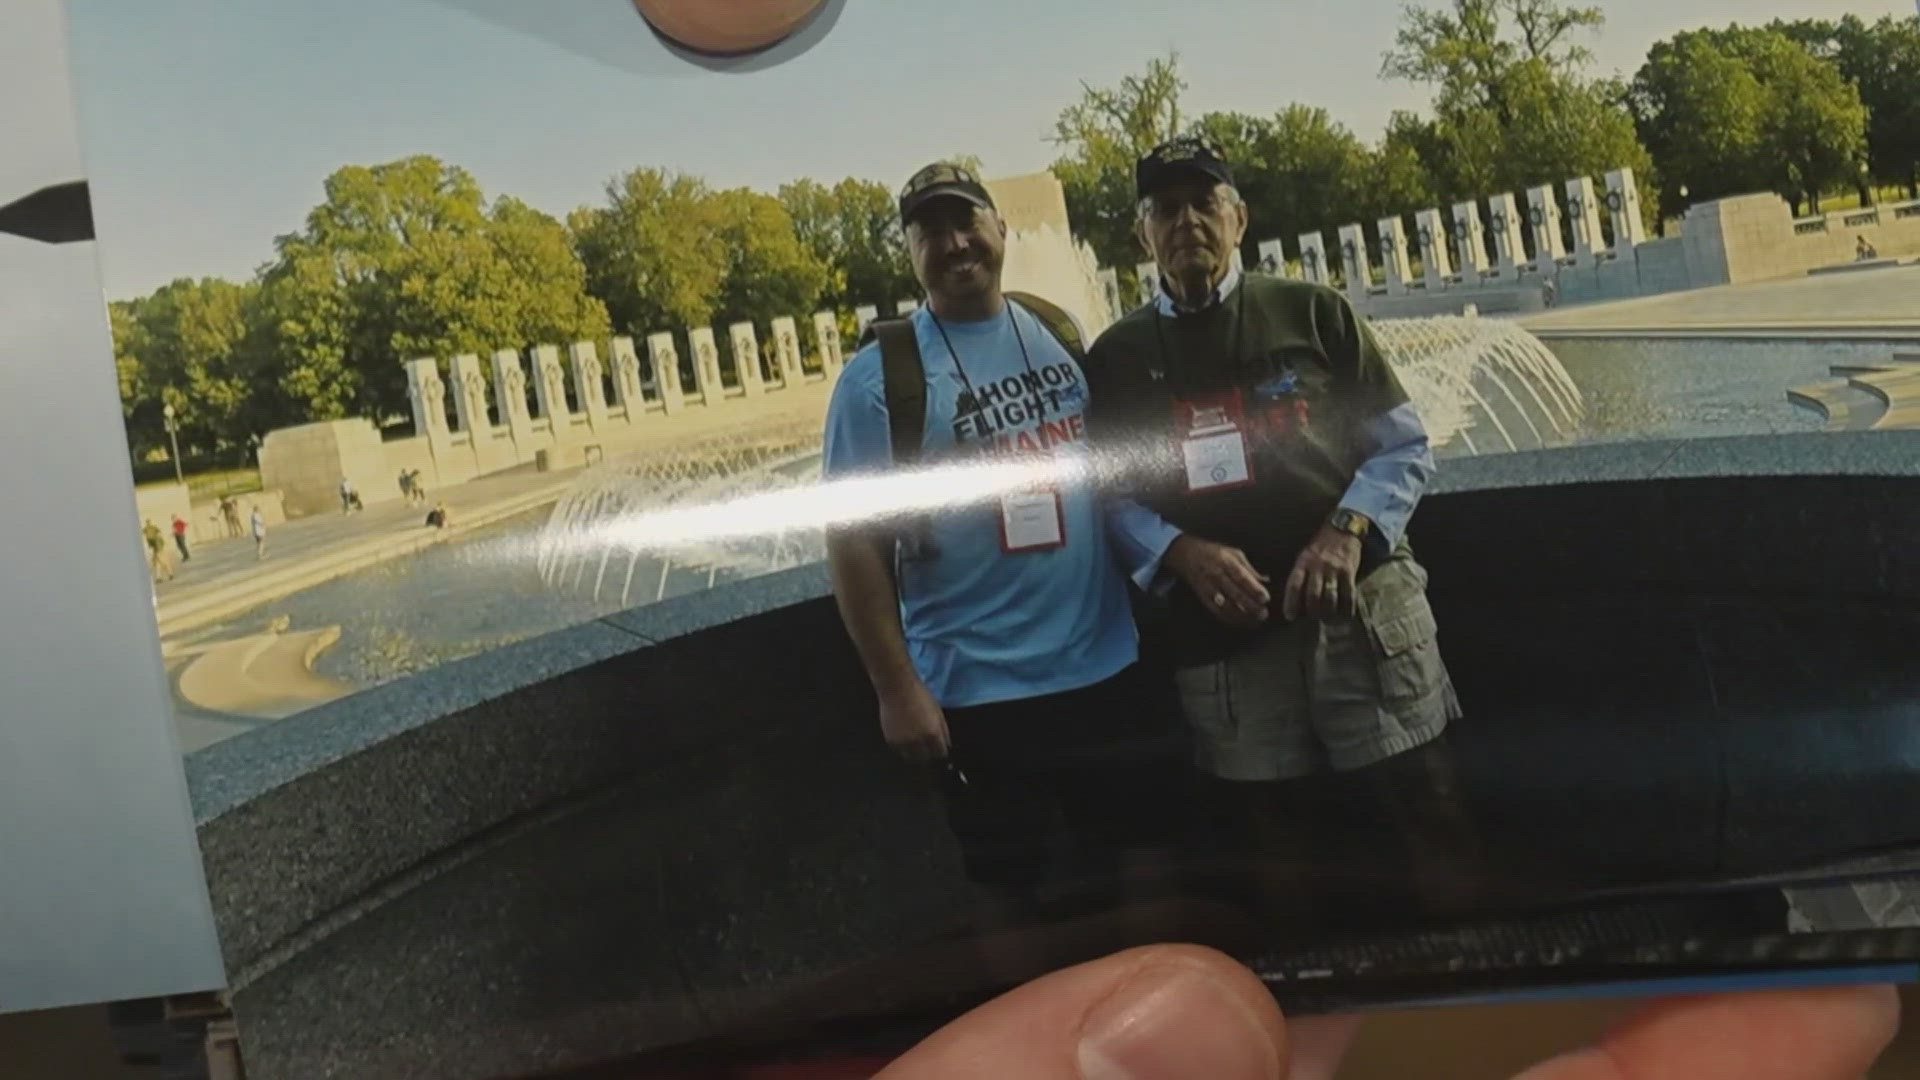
[1449, 365]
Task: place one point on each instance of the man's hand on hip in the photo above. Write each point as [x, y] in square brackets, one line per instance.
[913, 722]
[1322, 582]
[1223, 579]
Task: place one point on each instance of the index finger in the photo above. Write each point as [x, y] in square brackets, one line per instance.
[1821, 1034]
[1241, 574]
[1160, 1010]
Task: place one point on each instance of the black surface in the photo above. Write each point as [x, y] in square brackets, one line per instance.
[59, 214]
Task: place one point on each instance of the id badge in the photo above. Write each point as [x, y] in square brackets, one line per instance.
[1032, 521]
[1214, 444]
[1217, 459]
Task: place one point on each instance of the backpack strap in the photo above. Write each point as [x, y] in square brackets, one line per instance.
[1054, 318]
[905, 387]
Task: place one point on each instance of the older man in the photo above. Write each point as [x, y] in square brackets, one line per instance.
[999, 634]
[1258, 416]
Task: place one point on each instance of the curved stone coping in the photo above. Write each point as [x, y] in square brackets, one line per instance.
[302, 819]
[1830, 400]
[1898, 388]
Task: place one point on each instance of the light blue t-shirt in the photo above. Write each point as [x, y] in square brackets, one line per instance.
[983, 625]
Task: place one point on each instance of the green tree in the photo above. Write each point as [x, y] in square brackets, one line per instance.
[1471, 50]
[1512, 104]
[1101, 137]
[1300, 171]
[186, 346]
[404, 260]
[769, 271]
[1746, 109]
[1701, 112]
[129, 345]
[653, 253]
[1882, 60]
[1815, 135]
[853, 231]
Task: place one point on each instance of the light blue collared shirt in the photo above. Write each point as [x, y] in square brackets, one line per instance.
[1385, 488]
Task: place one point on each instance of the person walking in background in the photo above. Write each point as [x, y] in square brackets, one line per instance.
[156, 551]
[406, 486]
[437, 517]
[418, 489]
[349, 498]
[259, 534]
[180, 537]
[230, 515]
[1863, 251]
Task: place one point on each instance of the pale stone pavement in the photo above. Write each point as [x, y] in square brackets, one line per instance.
[220, 568]
[1884, 302]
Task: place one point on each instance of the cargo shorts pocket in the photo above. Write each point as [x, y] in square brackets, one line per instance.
[1405, 639]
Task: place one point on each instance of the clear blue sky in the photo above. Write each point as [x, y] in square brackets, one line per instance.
[208, 125]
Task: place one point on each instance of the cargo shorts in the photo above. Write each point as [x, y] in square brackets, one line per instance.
[1312, 695]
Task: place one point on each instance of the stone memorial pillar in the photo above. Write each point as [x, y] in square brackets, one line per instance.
[1470, 236]
[470, 410]
[1147, 274]
[1359, 267]
[510, 401]
[629, 392]
[1273, 258]
[1623, 205]
[1313, 258]
[428, 395]
[1393, 255]
[786, 352]
[706, 366]
[1583, 206]
[665, 361]
[1508, 247]
[746, 358]
[1110, 289]
[550, 391]
[1543, 217]
[863, 315]
[826, 335]
[589, 390]
[1431, 230]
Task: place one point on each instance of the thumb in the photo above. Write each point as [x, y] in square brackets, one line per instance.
[1172, 1011]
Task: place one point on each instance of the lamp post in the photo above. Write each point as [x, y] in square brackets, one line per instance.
[173, 440]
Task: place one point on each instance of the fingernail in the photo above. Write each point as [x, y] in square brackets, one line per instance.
[1172, 1022]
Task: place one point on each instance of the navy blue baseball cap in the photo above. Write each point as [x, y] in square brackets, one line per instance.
[1179, 159]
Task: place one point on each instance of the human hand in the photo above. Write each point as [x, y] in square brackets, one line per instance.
[913, 722]
[1223, 579]
[1177, 1011]
[1322, 581]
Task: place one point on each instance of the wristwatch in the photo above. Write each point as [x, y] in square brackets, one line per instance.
[1351, 522]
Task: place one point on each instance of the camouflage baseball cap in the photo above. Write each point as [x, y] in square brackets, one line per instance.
[1176, 160]
[938, 179]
